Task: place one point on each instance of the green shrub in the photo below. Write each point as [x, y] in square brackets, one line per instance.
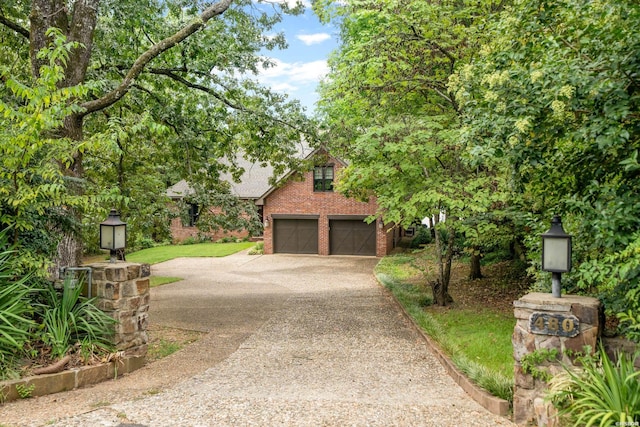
[144, 243]
[601, 393]
[189, 241]
[228, 239]
[15, 310]
[422, 237]
[258, 249]
[204, 238]
[69, 318]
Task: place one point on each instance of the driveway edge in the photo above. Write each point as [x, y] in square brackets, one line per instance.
[71, 379]
[491, 403]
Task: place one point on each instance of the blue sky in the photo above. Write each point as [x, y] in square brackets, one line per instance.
[299, 68]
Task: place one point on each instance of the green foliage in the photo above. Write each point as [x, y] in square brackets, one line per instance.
[258, 249]
[15, 308]
[616, 276]
[600, 393]
[387, 107]
[33, 191]
[163, 349]
[496, 383]
[422, 237]
[399, 267]
[630, 322]
[481, 335]
[553, 97]
[84, 129]
[25, 391]
[531, 363]
[190, 241]
[70, 318]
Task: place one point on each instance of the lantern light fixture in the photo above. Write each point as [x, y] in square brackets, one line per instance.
[556, 254]
[113, 234]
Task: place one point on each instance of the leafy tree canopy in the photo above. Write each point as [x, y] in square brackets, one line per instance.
[151, 91]
[389, 111]
[555, 96]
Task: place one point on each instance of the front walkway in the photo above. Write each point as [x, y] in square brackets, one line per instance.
[328, 347]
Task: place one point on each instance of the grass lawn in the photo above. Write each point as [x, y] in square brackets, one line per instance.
[476, 329]
[484, 338]
[162, 280]
[166, 253]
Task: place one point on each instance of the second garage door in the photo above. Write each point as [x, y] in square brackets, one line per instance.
[295, 236]
[352, 237]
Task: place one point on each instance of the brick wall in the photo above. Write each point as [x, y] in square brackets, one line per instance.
[179, 232]
[297, 197]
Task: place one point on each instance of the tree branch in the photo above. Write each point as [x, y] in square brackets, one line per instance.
[225, 101]
[14, 26]
[153, 52]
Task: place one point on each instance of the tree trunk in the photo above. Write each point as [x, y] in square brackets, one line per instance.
[77, 26]
[517, 250]
[69, 253]
[440, 287]
[70, 247]
[77, 20]
[475, 271]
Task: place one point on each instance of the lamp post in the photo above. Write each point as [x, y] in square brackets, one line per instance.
[113, 234]
[556, 254]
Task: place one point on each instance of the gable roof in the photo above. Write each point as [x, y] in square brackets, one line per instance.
[323, 150]
[254, 181]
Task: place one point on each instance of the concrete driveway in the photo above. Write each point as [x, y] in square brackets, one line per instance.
[292, 340]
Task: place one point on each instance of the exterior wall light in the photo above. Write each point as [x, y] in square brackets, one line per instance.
[556, 254]
[113, 234]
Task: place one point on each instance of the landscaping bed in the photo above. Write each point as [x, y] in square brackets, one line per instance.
[475, 330]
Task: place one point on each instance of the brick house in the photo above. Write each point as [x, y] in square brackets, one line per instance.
[307, 216]
[302, 214]
[253, 183]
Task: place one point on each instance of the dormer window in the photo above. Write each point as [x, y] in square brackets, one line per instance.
[323, 178]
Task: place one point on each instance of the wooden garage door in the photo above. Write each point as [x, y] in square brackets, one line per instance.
[352, 237]
[295, 236]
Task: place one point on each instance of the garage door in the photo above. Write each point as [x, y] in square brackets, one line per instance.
[352, 237]
[295, 236]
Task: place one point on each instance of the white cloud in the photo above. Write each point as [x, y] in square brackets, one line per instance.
[294, 74]
[310, 39]
[290, 3]
[283, 87]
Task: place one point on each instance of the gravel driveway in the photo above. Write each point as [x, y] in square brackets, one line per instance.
[292, 340]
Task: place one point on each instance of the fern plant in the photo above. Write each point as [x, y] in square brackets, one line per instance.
[602, 393]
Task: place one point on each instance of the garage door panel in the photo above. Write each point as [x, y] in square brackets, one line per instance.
[352, 237]
[297, 236]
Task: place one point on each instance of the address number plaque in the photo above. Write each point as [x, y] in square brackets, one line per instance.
[560, 325]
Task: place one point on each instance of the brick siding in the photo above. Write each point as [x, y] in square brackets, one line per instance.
[296, 197]
[180, 233]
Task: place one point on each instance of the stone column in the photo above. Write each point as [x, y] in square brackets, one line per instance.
[122, 290]
[544, 323]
